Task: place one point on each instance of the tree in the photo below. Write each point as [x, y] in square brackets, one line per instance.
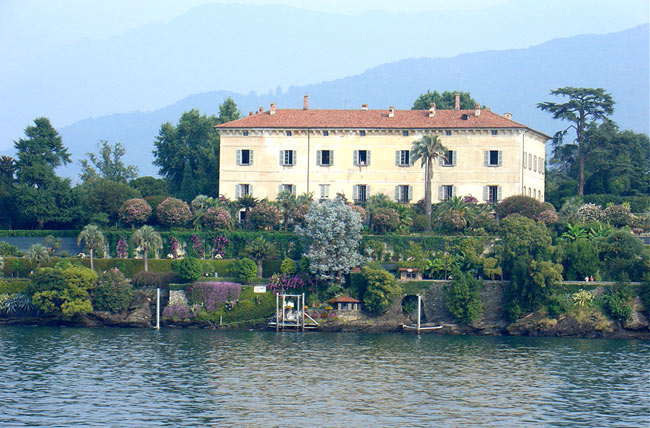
[112, 292]
[381, 289]
[108, 164]
[135, 212]
[585, 107]
[7, 170]
[173, 212]
[428, 148]
[102, 199]
[63, 291]
[265, 216]
[39, 195]
[93, 239]
[259, 250]
[245, 270]
[150, 186]
[188, 269]
[228, 111]
[332, 232]
[616, 161]
[38, 254]
[188, 155]
[148, 240]
[444, 101]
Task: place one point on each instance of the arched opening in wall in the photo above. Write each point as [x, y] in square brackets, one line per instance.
[410, 308]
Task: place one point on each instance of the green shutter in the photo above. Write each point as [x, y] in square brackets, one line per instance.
[410, 196]
[355, 159]
[454, 157]
[486, 193]
[238, 157]
[500, 158]
[486, 158]
[440, 190]
[250, 157]
[397, 159]
[367, 157]
[453, 191]
[397, 193]
[499, 194]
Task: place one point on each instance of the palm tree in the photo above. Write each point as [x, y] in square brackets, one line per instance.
[148, 239]
[38, 254]
[93, 238]
[287, 202]
[247, 202]
[259, 250]
[428, 148]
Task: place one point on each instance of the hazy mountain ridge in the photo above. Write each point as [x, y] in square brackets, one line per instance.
[510, 80]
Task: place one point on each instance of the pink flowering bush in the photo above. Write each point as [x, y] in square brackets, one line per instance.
[618, 215]
[288, 282]
[548, 217]
[385, 220]
[217, 218]
[588, 213]
[211, 295]
[265, 215]
[179, 311]
[173, 212]
[219, 245]
[135, 212]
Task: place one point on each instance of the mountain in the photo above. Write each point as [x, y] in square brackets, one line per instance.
[506, 81]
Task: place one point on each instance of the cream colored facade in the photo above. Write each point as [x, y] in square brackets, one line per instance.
[517, 166]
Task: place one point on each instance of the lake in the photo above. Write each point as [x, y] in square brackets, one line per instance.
[182, 378]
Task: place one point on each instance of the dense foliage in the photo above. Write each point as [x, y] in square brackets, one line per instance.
[112, 292]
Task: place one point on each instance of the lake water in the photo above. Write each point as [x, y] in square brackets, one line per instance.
[181, 378]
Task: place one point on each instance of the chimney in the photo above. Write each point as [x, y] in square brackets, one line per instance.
[261, 109]
[305, 102]
[477, 109]
[488, 109]
[432, 110]
[250, 113]
[391, 111]
[272, 111]
[508, 116]
[457, 103]
[364, 106]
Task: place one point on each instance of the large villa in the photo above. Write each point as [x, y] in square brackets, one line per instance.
[364, 152]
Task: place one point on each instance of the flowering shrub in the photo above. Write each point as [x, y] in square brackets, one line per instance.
[618, 215]
[589, 212]
[385, 220]
[173, 212]
[122, 249]
[470, 200]
[520, 204]
[144, 279]
[217, 218]
[211, 295]
[112, 292]
[485, 221]
[135, 212]
[453, 220]
[173, 247]
[219, 245]
[179, 311]
[197, 246]
[288, 282]
[265, 216]
[548, 217]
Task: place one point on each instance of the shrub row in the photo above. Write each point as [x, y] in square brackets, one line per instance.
[638, 204]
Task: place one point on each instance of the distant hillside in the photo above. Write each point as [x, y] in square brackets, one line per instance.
[506, 81]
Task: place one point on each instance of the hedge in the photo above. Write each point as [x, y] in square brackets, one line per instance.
[13, 286]
[400, 243]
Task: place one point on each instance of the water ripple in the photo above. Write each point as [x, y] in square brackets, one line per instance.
[182, 378]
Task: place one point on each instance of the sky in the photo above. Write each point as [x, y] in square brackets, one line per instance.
[39, 37]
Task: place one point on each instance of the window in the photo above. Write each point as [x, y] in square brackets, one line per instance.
[403, 158]
[449, 159]
[324, 191]
[287, 157]
[530, 161]
[287, 188]
[403, 193]
[360, 192]
[245, 133]
[492, 158]
[244, 157]
[524, 192]
[288, 133]
[494, 132]
[525, 157]
[492, 194]
[324, 157]
[361, 158]
[541, 165]
[326, 133]
[405, 133]
[242, 190]
[362, 133]
[447, 132]
[242, 216]
[446, 192]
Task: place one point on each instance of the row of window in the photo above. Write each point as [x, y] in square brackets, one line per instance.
[491, 158]
[533, 193]
[362, 133]
[403, 192]
[533, 163]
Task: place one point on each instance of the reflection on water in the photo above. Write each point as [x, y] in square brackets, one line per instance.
[137, 378]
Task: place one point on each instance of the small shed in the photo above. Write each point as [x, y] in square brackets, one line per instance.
[410, 274]
[346, 303]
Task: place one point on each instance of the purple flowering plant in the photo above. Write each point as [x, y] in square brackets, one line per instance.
[122, 249]
[212, 295]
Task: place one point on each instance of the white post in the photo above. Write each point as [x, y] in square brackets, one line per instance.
[419, 304]
[303, 311]
[157, 308]
[277, 312]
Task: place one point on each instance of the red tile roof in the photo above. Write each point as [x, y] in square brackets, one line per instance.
[373, 119]
[344, 299]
